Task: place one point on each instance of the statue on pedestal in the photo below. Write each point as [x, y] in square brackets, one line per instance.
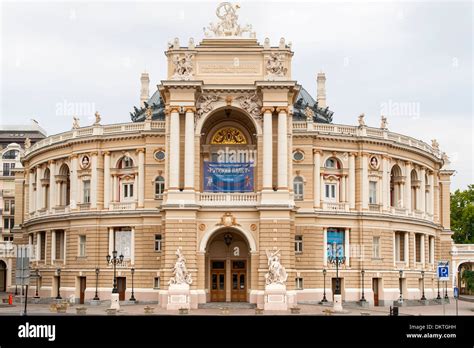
[276, 272]
[181, 275]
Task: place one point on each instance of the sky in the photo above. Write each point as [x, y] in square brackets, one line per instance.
[410, 61]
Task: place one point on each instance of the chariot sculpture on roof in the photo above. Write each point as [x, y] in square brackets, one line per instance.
[228, 26]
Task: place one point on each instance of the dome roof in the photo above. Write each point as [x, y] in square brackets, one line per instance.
[304, 102]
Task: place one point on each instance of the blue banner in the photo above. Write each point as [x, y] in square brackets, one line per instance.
[335, 236]
[228, 177]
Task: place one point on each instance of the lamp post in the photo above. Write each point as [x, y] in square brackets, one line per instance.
[58, 271]
[37, 274]
[423, 298]
[96, 297]
[439, 295]
[132, 298]
[114, 260]
[400, 300]
[446, 290]
[362, 299]
[336, 260]
[324, 300]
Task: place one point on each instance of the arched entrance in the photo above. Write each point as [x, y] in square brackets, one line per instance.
[3, 276]
[227, 266]
[463, 289]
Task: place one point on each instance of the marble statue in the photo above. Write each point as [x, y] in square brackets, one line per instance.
[383, 122]
[227, 26]
[309, 113]
[148, 113]
[361, 120]
[27, 143]
[181, 275]
[435, 144]
[183, 67]
[75, 122]
[276, 272]
[97, 118]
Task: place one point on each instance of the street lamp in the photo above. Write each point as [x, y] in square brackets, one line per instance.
[58, 271]
[336, 260]
[439, 295]
[362, 299]
[96, 297]
[114, 260]
[423, 298]
[37, 274]
[446, 290]
[324, 300]
[400, 300]
[132, 298]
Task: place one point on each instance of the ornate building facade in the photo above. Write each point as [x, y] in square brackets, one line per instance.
[231, 160]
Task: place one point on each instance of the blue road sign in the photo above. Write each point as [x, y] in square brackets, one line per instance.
[443, 270]
[456, 292]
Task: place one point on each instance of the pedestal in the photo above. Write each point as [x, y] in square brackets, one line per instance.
[337, 306]
[178, 297]
[114, 301]
[275, 298]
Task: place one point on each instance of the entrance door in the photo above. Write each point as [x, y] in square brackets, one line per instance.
[3, 276]
[375, 288]
[82, 289]
[217, 281]
[239, 281]
[121, 286]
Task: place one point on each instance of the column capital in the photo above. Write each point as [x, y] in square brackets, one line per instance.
[94, 153]
[190, 109]
[140, 150]
[317, 151]
[106, 153]
[385, 157]
[364, 154]
[268, 109]
[407, 163]
[282, 109]
[51, 162]
[74, 156]
[355, 154]
[174, 108]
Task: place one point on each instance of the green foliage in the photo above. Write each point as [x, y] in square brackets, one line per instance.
[468, 277]
[462, 215]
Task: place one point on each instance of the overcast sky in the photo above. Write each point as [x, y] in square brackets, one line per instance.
[411, 61]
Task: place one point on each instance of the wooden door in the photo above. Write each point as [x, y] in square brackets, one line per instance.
[82, 289]
[121, 287]
[3, 276]
[239, 281]
[217, 281]
[375, 288]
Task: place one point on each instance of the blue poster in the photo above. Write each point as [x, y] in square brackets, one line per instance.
[228, 177]
[335, 235]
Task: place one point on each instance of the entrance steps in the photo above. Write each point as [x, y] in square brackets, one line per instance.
[229, 305]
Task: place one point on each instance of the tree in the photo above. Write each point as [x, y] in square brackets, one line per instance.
[468, 277]
[462, 215]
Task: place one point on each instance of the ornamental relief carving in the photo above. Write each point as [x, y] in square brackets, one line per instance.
[183, 67]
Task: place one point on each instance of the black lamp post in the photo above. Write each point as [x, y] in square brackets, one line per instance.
[336, 260]
[132, 298]
[96, 297]
[362, 299]
[401, 290]
[439, 295]
[37, 274]
[446, 290]
[324, 287]
[114, 260]
[58, 271]
[423, 298]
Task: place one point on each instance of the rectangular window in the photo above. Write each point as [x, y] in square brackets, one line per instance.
[373, 192]
[400, 246]
[376, 247]
[156, 283]
[157, 242]
[87, 191]
[298, 244]
[330, 192]
[418, 247]
[59, 244]
[335, 242]
[8, 223]
[42, 235]
[127, 191]
[299, 283]
[123, 243]
[82, 246]
[6, 208]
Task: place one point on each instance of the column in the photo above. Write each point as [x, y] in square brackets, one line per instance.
[189, 150]
[74, 182]
[385, 184]
[53, 246]
[431, 194]
[422, 190]
[352, 180]
[432, 246]
[106, 179]
[407, 249]
[39, 188]
[436, 206]
[52, 185]
[414, 248]
[323, 186]
[408, 186]
[64, 247]
[141, 178]
[422, 248]
[347, 246]
[267, 150]
[395, 248]
[93, 186]
[31, 200]
[317, 178]
[135, 186]
[111, 240]
[343, 188]
[365, 182]
[132, 247]
[282, 150]
[325, 245]
[174, 150]
[38, 246]
[114, 188]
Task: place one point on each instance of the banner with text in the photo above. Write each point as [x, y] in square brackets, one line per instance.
[228, 177]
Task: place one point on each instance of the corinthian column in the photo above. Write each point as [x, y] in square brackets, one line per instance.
[282, 149]
[141, 177]
[74, 182]
[422, 190]
[267, 149]
[408, 186]
[189, 150]
[93, 187]
[365, 182]
[317, 178]
[174, 150]
[106, 179]
[52, 185]
[352, 181]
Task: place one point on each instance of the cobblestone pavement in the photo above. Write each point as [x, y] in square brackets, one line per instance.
[464, 308]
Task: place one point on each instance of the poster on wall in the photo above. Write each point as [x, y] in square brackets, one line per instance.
[335, 235]
[228, 177]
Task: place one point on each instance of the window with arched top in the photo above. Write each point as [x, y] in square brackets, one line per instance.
[10, 154]
[298, 188]
[332, 163]
[159, 187]
[125, 162]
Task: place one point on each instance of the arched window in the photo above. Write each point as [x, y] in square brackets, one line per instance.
[46, 183]
[396, 193]
[125, 162]
[10, 154]
[159, 187]
[415, 185]
[64, 185]
[332, 163]
[298, 188]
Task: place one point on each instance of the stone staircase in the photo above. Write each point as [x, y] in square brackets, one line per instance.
[229, 305]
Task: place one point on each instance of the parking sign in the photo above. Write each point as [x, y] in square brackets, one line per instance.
[443, 270]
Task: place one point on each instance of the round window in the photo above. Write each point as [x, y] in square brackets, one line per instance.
[298, 156]
[160, 155]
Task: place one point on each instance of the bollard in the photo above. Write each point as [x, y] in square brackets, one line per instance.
[393, 311]
[10, 299]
